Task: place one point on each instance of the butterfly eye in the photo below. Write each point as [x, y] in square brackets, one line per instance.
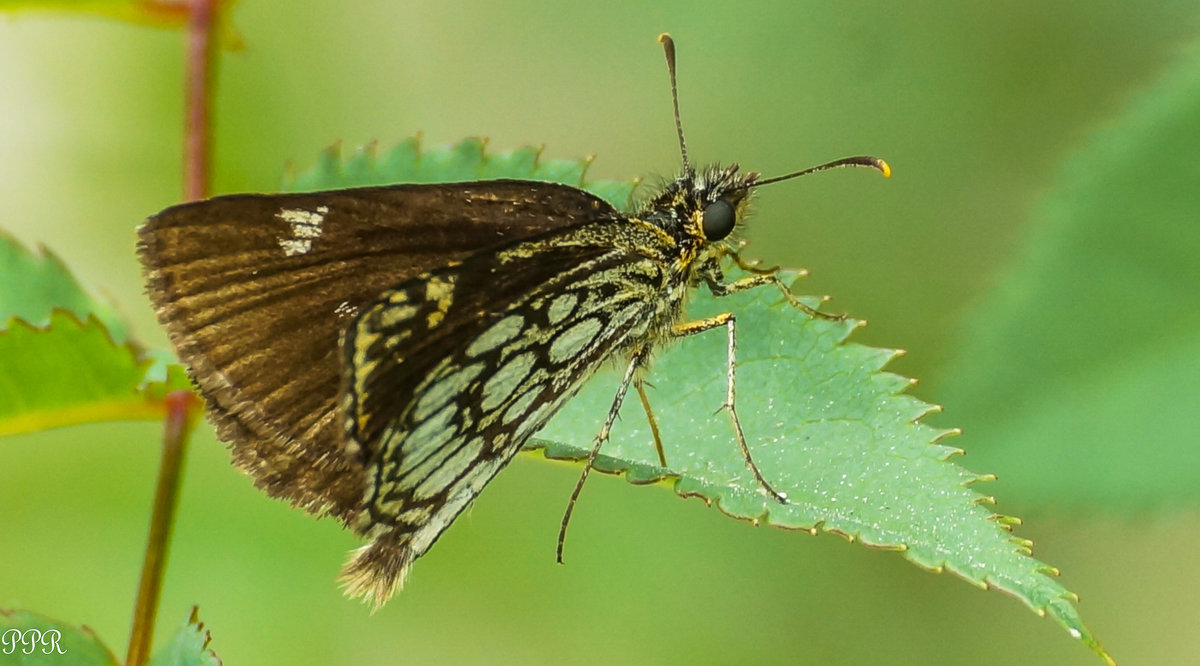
[718, 220]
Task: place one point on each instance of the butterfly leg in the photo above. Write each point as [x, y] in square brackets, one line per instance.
[763, 277]
[756, 265]
[729, 321]
[640, 385]
[635, 364]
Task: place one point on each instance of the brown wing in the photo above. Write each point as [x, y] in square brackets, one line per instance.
[255, 290]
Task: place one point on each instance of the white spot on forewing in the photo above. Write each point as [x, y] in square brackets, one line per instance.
[344, 309]
[499, 333]
[570, 342]
[304, 227]
[500, 386]
[304, 223]
[292, 247]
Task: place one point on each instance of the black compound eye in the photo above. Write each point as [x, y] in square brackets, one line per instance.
[718, 220]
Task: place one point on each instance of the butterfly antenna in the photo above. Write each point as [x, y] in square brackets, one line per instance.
[859, 161]
[669, 48]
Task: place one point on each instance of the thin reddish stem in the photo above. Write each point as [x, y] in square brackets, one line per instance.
[181, 410]
[181, 406]
[201, 56]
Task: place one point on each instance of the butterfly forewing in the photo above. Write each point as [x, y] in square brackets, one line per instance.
[452, 372]
[256, 290]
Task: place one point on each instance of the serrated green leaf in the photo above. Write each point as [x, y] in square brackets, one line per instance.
[1078, 375]
[188, 647]
[30, 639]
[35, 284]
[409, 162]
[72, 372]
[829, 429]
[64, 355]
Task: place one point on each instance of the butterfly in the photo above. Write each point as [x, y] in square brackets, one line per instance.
[379, 354]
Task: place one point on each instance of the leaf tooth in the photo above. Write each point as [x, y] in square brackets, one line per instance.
[947, 433]
[369, 151]
[933, 409]
[845, 535]
[1005, 523]
[631, 199]
[895, 548]
[587, 164]
[979, 478]
[1024, 546]
[331, 157]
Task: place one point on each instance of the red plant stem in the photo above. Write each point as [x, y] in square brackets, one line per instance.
[181, 409]
[200, 81]
[181, 406]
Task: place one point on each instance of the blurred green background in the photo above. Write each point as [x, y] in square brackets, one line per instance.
[976, 105]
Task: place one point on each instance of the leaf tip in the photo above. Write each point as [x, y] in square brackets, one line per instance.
[369, 150]
[587, 164]
[949, 432]
[980, 478]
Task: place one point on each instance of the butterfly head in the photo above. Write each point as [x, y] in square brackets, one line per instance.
[706, 207]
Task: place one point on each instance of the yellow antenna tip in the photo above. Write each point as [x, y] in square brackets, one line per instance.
[664, 37]
[885, 169]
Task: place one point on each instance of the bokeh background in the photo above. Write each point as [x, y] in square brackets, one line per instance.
[975, 105]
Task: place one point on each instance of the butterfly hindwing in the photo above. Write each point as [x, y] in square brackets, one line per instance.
[449, 374]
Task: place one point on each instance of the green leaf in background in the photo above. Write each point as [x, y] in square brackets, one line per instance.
[827, 426]
[188, 647]
[409, 162]
[35, 284]
[67, 373]
[59, 362]
[29, 639]
[1080, 375]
